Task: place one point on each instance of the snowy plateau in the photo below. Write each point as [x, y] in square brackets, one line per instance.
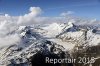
[55, 40]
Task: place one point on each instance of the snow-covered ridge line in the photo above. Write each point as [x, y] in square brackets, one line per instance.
[53, 38]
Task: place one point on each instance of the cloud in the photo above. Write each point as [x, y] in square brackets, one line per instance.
[7, 25]
[34, 11]
[7, 15]
[9, 40]
[67, 13]
[29, 18]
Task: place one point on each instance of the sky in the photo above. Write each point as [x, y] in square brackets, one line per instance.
[52, 8]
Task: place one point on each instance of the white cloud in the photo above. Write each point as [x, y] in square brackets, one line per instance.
[34, 11]
[7, 15]
[7, 25]
[67, 13]
[9, 40]
[29, 18]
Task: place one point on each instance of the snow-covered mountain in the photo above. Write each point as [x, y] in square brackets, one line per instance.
[49, 40]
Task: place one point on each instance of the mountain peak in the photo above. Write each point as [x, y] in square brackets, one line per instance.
[70, 27]
[70, 24]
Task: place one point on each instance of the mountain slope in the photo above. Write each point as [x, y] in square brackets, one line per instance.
[49, 40]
